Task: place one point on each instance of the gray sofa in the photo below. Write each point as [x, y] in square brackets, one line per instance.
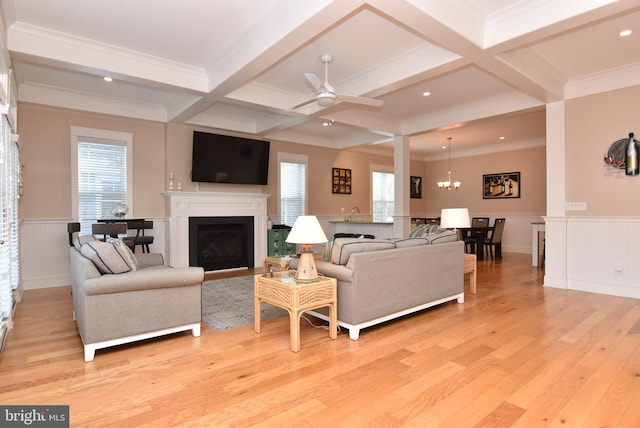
[379, 280]
[148, 301]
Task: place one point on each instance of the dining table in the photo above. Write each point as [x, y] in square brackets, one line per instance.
[477, 234]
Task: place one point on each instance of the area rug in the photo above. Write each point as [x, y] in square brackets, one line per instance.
[228, 303]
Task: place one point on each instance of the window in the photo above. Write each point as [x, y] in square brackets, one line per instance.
[293, 187]
[9, 239]
[101, 162]
[383, 191]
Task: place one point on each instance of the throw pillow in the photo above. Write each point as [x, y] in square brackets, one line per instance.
[105, 256]
[81, 240]
[126, 253]
[418, 231]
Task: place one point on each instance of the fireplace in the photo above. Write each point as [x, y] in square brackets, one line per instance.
[217, 243]
[181, 206]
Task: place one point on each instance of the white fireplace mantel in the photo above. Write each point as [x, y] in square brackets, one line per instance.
[182, 205]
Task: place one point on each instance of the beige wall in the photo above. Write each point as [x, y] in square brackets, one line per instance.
[159, 149]
[321, 160]
[593, 123]
[529, 162]
[45, 152]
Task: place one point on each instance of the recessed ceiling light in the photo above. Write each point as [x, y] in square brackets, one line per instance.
[625, 33]
[502, 138]
[444, 147]
[426, 93]
[108, 79]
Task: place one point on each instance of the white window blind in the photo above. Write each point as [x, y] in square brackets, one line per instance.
[9, 250]
[383, 196]
[293, 185]
[102, 180]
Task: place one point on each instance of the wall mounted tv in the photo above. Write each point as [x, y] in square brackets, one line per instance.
[225, 159]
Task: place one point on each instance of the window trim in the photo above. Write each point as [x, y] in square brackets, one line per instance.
[99, 136]
[294, 158]
[387, 169]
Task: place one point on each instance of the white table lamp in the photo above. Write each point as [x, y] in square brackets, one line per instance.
[453, 218]
[306, 231]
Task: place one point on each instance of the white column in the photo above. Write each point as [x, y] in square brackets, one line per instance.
[401, 166]
[555, 220]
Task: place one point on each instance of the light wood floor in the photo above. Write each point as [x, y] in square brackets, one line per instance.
[516, 354]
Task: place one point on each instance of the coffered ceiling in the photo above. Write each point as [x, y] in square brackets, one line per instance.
[238, 67]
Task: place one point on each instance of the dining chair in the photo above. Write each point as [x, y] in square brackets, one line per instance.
[495, 240]
[108, 230]
[140, 238]
[469, 240]
[72, 228]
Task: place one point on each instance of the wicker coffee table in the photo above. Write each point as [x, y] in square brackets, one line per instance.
[281, 290]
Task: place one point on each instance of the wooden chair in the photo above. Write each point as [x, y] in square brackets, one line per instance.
[495, 240]
[140, 238]
[470, 241]
[108, 230]
[72, 228]
[425, 220]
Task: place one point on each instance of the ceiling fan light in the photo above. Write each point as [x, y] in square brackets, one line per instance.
[326, 99]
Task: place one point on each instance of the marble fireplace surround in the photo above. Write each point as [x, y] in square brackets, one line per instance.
[182, 205]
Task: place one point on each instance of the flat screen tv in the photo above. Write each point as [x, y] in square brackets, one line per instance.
[225, 159]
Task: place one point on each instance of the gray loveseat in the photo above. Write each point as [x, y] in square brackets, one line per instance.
[379, 280]
[116, 308]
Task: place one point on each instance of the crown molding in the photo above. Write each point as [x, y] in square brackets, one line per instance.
[609, 80]
[40, 42]
[56, 97]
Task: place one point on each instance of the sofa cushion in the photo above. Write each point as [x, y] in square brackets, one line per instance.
[105, 256]
[443, 236]
[411, 242]
[344, 247]
[126, 253]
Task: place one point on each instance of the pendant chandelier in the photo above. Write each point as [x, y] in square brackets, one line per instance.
[449, 185]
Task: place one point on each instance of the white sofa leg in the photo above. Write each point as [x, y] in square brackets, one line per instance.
[461, 298]
[89, 353]
[354, 333]
[195, 331]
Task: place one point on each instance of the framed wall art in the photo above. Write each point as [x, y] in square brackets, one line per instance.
[505, 185]
[341, 181]
[415, 187]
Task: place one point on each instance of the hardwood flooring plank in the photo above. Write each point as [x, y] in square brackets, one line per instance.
[515, 354]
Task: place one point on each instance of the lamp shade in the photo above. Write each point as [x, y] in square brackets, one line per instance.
[307, 230]
[452, 218]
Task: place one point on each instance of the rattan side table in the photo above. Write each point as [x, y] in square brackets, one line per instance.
[470, 267]
[282, 290]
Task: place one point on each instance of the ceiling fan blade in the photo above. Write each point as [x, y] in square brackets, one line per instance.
[304, 103]
[359, 100]
[313, 80]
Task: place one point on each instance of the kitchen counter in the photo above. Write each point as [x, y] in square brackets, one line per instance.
[379, 229]
[360, 222]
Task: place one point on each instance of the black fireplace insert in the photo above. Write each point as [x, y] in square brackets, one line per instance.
[217, 243]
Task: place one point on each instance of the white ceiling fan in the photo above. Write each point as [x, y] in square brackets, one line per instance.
[326, 95]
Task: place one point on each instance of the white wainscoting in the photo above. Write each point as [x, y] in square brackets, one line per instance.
[44, 251]
[602, 255]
